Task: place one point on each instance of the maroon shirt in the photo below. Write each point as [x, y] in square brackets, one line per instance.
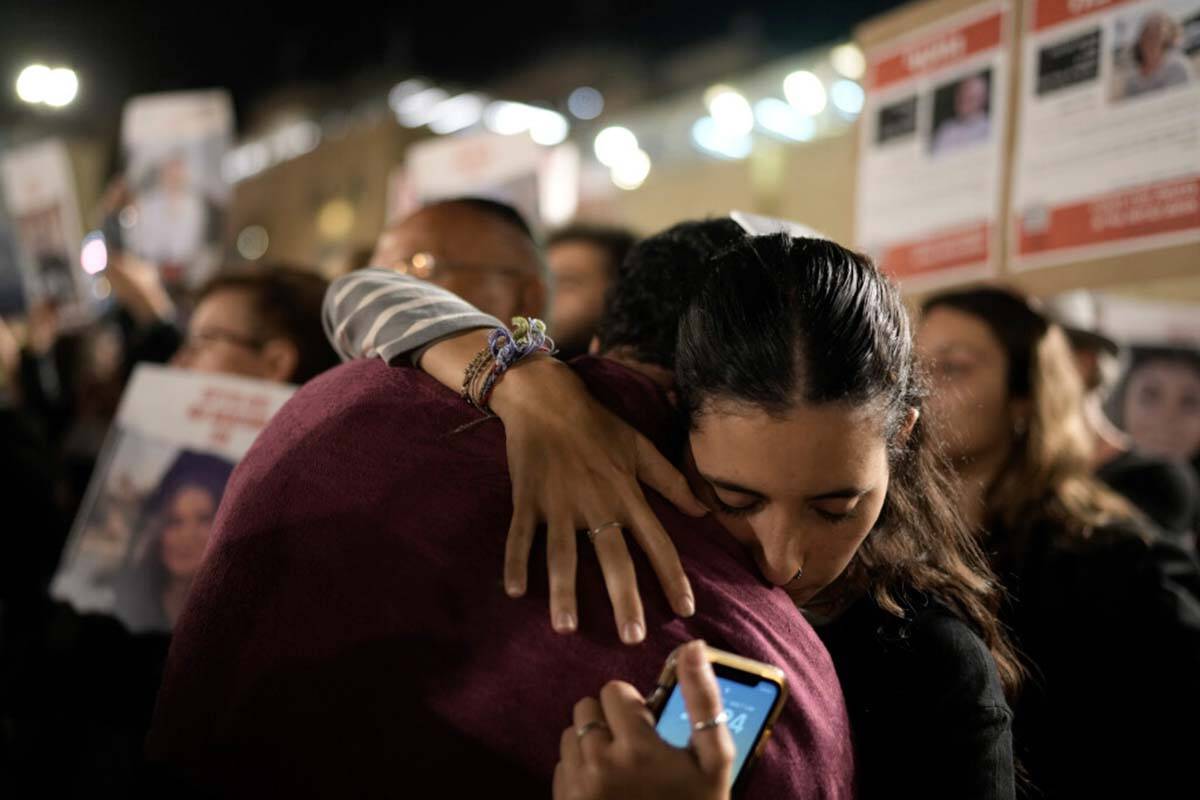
[349, 634]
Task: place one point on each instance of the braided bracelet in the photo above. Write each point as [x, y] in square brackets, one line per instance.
[504, 349]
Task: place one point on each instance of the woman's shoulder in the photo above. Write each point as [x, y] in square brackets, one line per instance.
[955, 656]
[933, 647]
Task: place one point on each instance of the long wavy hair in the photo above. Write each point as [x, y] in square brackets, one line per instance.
[1048, 475]
[782, 321]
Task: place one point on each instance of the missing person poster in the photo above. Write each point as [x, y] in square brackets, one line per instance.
[145, 522]
[931, 148]
[43, 212]
[174, 144]
[1107, 158]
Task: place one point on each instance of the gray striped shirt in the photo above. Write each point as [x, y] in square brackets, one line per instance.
[378, 312]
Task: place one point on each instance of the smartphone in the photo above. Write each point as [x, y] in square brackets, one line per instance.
[753, 694]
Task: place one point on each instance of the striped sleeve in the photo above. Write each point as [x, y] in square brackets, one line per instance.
[378, 312]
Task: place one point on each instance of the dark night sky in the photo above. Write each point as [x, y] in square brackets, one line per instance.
[125, 48]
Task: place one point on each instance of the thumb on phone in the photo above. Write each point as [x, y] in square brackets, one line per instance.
[702, 698]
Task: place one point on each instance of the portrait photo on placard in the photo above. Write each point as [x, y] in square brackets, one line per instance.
[1156, 48]
[962, 113]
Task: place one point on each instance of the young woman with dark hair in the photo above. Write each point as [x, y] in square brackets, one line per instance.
[795, 367]
[1103, 608]
[153, 586]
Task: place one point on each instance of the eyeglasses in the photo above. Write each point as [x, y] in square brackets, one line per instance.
[429, 267]
[197, 340]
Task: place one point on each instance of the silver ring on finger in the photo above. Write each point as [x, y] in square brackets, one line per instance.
[586, 728]
[719, 719]
[594, 532]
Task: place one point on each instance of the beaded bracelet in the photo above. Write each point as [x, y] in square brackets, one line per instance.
[504, 349]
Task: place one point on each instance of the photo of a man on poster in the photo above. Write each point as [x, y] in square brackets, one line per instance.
[962, 113]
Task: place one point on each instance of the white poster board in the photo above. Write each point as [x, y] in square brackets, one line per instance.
[144, 524]
[931, 148]
[1107, 157]
[175, 144]
[39, 192]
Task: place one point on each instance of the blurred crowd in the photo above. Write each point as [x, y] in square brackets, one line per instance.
[1071, 459]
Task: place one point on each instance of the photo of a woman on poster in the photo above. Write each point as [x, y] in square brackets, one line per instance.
[173, 535]
[1155, 60]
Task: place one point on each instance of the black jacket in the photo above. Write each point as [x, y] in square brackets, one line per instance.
[1165, 491]
[1110, 629]
[926, 705]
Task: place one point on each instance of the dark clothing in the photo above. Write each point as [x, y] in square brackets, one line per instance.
[154, 343]
[1110, 627]
[30, 541]
[926, 704]
[1165, 491]
[349, 636]
[83, 708]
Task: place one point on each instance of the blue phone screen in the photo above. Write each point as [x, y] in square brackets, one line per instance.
[747, 704]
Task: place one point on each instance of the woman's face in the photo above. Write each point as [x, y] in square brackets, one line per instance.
[801, 491]
[185, 537]
[969, 409]
[1162, 410]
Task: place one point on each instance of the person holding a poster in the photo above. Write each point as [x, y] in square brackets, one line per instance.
[1157, 62]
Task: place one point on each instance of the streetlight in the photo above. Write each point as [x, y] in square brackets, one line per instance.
[39, 84]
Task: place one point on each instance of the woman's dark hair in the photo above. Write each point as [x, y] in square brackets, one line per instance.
[287, 304]
[144, 577]
[1048, 474]
[643, 306]
[782, 321]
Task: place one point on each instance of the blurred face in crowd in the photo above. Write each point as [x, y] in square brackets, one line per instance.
[186, 531]
[224, 336]
[1162, 410]
[475, 254]
[801, 490]
[971, 98]
[970, 411]
[581, 275]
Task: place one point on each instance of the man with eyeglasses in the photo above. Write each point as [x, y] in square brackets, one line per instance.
[480, 250]
[263, 324]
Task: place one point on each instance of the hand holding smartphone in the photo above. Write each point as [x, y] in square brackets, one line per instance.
[623, 747]
[752, 696]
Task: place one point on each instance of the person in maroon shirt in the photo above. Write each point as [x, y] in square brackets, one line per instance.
[349, 633]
